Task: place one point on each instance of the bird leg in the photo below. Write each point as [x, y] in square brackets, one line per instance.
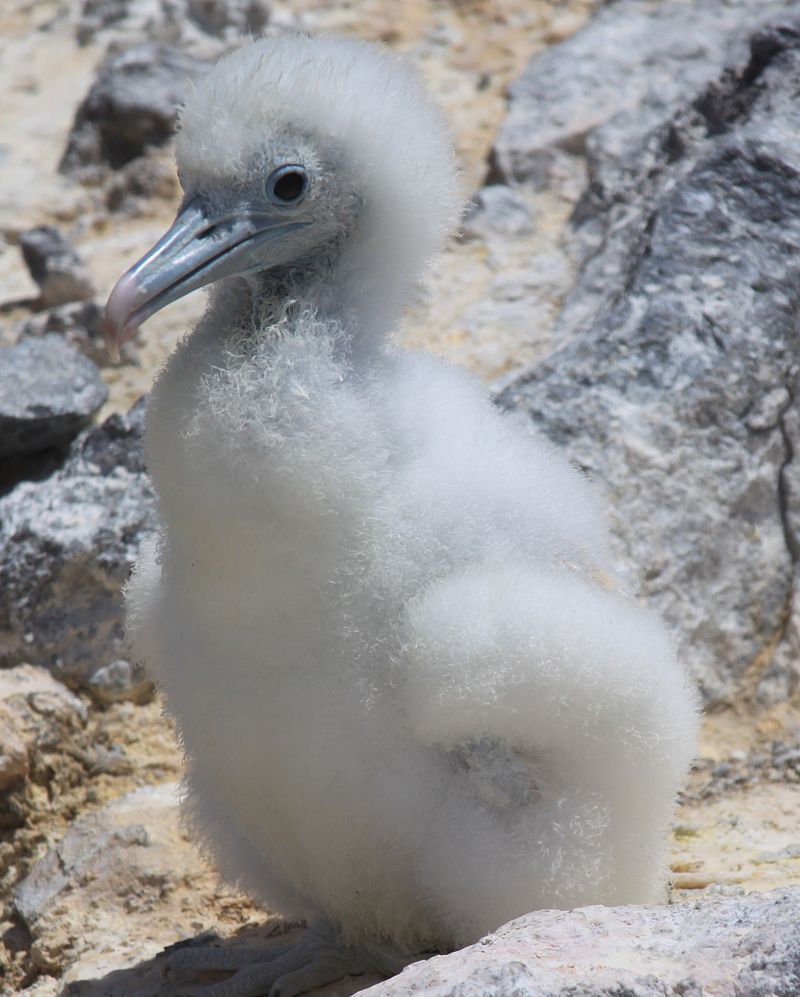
[316, 960]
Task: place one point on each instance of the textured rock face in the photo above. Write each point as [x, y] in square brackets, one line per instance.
[639, 56]
[497, 208]
[132, 105]
[219, 17]
[48, 393]
[676, 385]
[123, 857]
[66, 548]
[55, 266]
[172, 20]
[739, 945]
[37, 716]
[120, 681]
[115, 890]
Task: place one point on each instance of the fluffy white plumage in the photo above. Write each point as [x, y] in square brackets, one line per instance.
[408, 704]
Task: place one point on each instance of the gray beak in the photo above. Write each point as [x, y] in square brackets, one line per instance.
[198, 249]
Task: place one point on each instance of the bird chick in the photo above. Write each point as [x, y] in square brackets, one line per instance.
[409, 710]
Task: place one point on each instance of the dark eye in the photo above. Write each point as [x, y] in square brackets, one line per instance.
[287, 184]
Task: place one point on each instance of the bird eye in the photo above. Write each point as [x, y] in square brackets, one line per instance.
[287, 184]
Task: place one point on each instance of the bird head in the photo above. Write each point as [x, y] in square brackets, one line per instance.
[294, 149]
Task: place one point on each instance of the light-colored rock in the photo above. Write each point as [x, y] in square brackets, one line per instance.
[676, 388]
[119, 681]
[38, 715]
[638, 56]
[497, 208]
[134, 20]
[92, 894]
[727, 946]
[48, 393]
[13, 750]
[66, 547]
[121, 885]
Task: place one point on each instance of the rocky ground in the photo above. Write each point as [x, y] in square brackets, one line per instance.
[637, 187]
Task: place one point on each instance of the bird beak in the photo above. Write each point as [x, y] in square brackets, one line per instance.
[196, 250]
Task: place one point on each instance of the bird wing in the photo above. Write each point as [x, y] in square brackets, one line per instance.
[567, 722]
[546, 662]
[502, 778]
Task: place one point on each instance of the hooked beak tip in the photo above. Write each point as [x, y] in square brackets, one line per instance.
[120, 323]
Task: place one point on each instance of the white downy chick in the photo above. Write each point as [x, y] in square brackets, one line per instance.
[410, 711]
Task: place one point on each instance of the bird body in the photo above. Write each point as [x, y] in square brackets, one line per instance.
[408, 704]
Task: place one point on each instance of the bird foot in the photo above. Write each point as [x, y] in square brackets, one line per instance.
[316, 960]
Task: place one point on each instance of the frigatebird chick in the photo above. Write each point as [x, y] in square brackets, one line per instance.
[410, 710]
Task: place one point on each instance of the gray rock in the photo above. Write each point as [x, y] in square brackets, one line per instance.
[172, 21]
[88, 844]
[121, 681]
[746, 945]
[66, 549]
[142, 178]
[97, 15]
[55, 266]
[497, 208]
[780, 678]
[128, 21]
[677, 384]
[221, 18]
[131, 106]
[105, 876]
[48, 393]
[81, 325]
[637, 56]
[123, 883]
[29, 467]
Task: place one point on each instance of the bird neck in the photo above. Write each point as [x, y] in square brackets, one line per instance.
[359, 291]
[352, 285]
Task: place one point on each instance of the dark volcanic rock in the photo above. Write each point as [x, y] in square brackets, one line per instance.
[132, 105]
[678, 380]
[66, 548]
[48, 393]
[55, 266]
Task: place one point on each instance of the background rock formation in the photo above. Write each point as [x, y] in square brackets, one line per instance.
[675, 385]
[48, 392]
[67, 544]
